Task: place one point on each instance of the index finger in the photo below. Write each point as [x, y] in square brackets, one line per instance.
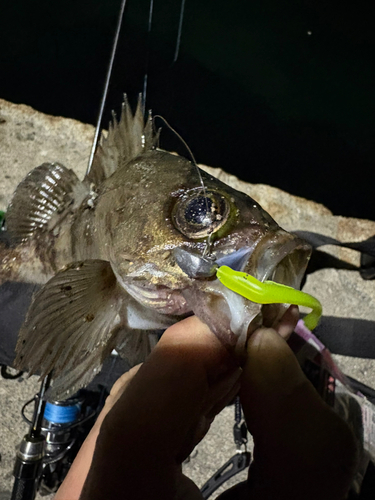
[194, 346]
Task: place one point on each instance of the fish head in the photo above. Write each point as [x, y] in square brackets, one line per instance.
[166, 227]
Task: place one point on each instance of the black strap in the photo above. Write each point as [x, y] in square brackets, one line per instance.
[366, 247]
[239, 462]
[317, 240]
[239, 428]
[5, 373]
[347, 336]
[236, 464]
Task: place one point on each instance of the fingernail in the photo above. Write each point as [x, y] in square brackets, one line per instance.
[257, 337]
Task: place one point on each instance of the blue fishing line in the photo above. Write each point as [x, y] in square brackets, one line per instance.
[59, 414]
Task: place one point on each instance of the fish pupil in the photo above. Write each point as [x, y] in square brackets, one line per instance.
[199, 211]
[200, 214]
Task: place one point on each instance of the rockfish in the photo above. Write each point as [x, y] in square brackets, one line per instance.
[132, 249]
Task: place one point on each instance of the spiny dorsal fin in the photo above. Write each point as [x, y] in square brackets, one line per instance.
[42, 200]
[126, 139]
[71, 326]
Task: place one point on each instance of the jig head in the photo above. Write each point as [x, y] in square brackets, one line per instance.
[269, 292]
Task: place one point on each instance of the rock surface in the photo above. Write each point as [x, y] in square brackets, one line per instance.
[29, 138]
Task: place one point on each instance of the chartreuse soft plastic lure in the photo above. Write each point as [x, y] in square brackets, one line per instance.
[269, 292]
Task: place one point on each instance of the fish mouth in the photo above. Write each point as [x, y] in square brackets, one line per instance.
[283, 261]
[160, 298]
[281, 257]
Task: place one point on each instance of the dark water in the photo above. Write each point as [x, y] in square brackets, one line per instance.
[273, 92]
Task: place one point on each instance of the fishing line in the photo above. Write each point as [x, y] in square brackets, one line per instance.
[207, 249]
[106, 86]
[145, 78]
[62, 414]
[178, 41]
[184, 143]
[177, 47]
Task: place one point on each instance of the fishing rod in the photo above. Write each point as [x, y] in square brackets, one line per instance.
[147, 61]
[106, 85]
[29, 459]
[145, 78]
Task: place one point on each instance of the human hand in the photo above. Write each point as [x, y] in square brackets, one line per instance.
[165, 410]
[72, 485]
[302, 448]
[186, 331]
[116, 391]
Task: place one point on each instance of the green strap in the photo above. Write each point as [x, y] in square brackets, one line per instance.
[269, 292]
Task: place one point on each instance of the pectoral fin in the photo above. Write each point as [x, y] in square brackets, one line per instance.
[71, 326]
[136, 346]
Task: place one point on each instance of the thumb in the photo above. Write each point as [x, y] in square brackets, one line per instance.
[302, 448]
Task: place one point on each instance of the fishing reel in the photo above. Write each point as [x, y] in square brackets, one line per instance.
[57, 431]
[65, 426]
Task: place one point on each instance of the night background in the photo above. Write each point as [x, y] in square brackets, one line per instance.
[273, 92]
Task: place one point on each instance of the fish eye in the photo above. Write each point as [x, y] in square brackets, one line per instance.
[197, 214]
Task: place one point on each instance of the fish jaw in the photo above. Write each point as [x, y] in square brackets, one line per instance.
[280, 257]
[226, 313]
[160, 298]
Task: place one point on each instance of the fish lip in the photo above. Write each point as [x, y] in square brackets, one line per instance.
[236, 260]
[265, 260]
[160, 298]
[282, 258]
[196, 266]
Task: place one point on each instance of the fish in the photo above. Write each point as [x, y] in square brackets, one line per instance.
[131, 249]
